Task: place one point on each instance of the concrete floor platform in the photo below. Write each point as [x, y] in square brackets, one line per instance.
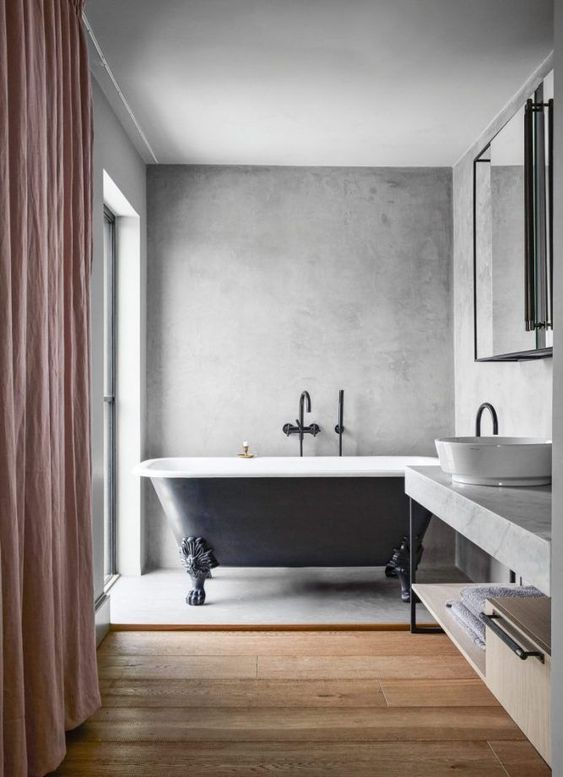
[264, 596]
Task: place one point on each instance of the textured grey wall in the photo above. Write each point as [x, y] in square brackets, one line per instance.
[507, 184]
[499, 236]
[265, 281]
[520, 391]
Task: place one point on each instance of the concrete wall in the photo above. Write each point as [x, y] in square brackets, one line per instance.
[507, 196]
[267, 281]
[499, 236]
[520, 391]
[114, 153]
[557, 523]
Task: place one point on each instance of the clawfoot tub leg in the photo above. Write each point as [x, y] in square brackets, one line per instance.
[199, 560]
[399, 563]
[398, 566]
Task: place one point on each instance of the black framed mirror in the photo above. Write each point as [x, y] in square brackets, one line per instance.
[513, 236]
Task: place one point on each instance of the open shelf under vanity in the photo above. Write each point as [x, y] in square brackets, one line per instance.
[435, 597]
[512, 525]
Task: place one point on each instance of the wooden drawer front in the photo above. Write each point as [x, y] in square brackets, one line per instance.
[522, 687]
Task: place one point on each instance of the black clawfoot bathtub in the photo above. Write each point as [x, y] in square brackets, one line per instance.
[289, 512]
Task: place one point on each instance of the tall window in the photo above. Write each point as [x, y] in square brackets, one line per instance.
[110, 568]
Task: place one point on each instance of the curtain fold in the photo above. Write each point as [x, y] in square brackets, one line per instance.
[48, 679]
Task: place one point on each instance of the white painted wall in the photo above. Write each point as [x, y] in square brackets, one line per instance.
[113, 152]
[557, 523]
[357, 82]
[130, 336]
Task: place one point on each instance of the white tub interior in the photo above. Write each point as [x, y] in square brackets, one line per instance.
[282, 466]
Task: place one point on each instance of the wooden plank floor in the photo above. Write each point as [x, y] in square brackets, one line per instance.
[228, 704]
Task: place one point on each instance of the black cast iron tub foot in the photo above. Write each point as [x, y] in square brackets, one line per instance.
[398, 565]
[199, 559]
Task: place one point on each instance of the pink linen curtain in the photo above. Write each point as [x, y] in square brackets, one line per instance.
[48, 680]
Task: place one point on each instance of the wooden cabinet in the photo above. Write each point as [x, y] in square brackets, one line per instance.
[518, 664]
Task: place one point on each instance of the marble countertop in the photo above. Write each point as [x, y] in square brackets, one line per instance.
[512, 525]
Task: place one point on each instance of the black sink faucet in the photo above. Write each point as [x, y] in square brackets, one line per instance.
[300, 427]
[493, 412]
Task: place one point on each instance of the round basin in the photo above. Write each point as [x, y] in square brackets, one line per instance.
[496, 461]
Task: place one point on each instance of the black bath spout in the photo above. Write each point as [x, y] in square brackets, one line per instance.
[300, 428]
[493, 412]
[305, 397]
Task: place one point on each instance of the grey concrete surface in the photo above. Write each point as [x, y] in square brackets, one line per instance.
[265, 281]
[239, 596]
[507, 184]
[520, 391]
[500, 260]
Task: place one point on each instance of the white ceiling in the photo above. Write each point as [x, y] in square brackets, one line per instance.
[319, 82]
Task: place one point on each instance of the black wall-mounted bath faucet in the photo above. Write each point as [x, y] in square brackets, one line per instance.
[493, 412]
[305, 397]
[300, 427]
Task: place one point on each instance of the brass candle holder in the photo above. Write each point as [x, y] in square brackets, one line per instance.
[245, 454]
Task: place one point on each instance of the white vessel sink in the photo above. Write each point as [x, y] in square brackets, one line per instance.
[496, 461]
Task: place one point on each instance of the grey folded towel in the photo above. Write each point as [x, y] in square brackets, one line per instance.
[473, 626]
[468, 610]
[474, 596]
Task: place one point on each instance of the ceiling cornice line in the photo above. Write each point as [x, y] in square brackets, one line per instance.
[500, 119]
[116, 86]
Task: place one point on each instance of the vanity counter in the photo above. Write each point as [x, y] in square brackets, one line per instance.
[513, 525]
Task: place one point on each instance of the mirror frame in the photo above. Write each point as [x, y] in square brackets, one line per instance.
[534, 353]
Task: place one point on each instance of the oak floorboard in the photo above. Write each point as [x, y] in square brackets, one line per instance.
[438, 693]
[363, 667]
[520, 759]
[182, 724]
[242, 693]
[255, 643]
[242, 704]
[335, 759]
[177, 667]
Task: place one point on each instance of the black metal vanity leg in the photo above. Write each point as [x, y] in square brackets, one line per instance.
[412, 568]
[418, 524]
[199, 559]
